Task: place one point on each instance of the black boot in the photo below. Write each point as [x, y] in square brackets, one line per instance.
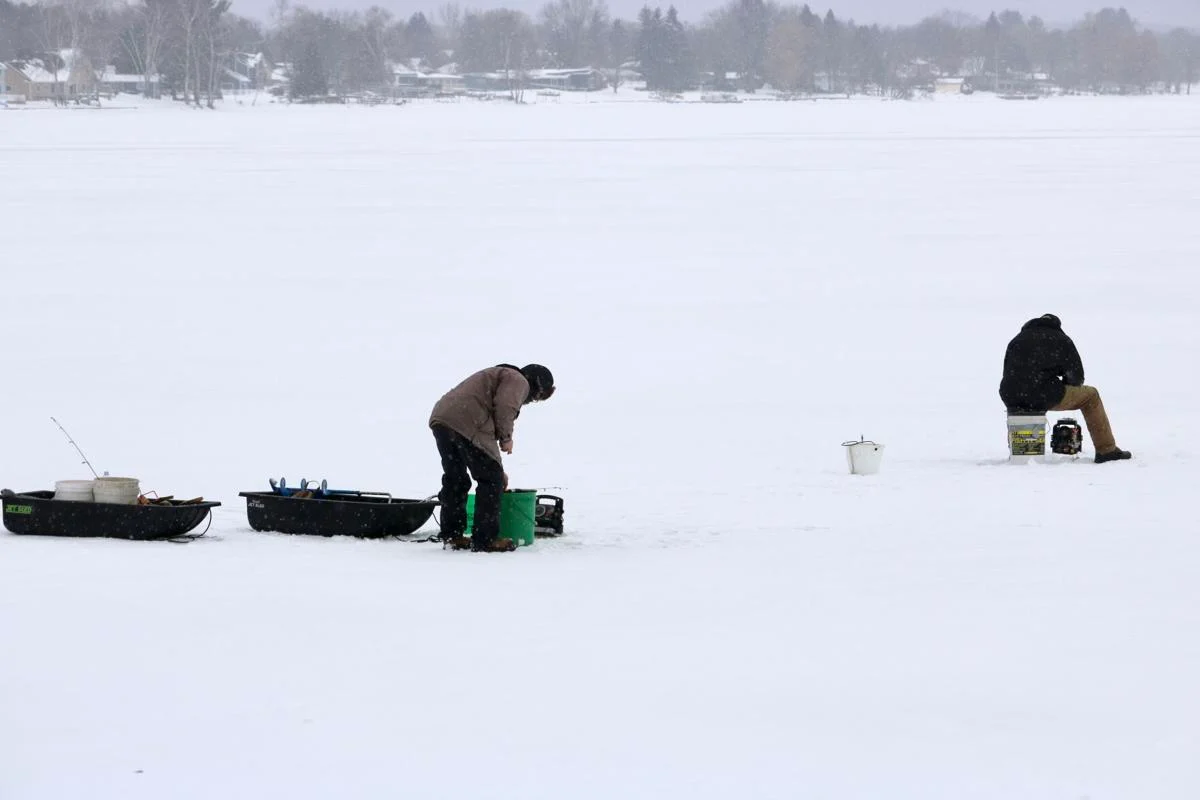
[1113, 455]
[499, 545]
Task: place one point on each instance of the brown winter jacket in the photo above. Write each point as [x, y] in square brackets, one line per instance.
[484, 407]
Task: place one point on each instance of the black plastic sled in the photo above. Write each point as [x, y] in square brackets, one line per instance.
[39, 514]
[363, 514]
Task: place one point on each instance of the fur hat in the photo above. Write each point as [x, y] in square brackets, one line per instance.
[541, 381]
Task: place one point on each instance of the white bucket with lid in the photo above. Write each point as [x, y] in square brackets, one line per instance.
[76, 491]
[863, 457]
[121, 491]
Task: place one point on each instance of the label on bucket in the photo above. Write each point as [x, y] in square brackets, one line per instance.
[1027, 441]
[12, 508]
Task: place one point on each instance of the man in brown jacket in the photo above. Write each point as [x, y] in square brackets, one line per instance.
[472, 424]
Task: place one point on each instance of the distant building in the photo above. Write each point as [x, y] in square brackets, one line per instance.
[444, 83]
[245, 72]
[917, 71]
[1020, 84]
[410, 82]
[279, 78]
[731, 81]
[234, 82]
[490, 81]
[949, 85]
[583, 79]
[113, 82]
[62, 76]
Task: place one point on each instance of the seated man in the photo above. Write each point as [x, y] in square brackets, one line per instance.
[1043, 372]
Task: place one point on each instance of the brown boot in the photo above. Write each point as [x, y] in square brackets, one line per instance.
[456, 543]
[496, 546]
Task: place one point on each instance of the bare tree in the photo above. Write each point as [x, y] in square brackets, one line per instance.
[188, 20]
[212, 33]
[374, 32]
[752, 23]
[939, 42]
[84, 26]
[143, 41]
[575, 31]
[792, 54]
[56, 37]
[197, 26]
[514, 71]
[620, 47]
[450, 17]
[497, 39]
[1181, 56]
[514, 30]
[281, 10]
[74, 33]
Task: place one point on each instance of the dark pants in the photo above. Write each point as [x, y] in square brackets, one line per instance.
[458, 457]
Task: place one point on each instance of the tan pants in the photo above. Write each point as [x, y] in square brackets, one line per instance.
[1087, 399]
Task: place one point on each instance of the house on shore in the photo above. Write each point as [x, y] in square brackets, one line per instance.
[583, 79]
[60, 77]
[113, 82]
[410, 82]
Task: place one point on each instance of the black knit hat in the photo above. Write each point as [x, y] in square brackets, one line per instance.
[541, 381]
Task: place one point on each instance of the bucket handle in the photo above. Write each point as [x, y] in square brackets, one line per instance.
[861, 440]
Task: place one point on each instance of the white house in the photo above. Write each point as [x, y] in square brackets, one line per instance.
[7, 94]
[444, 83]
[409, 81]
[246, 72]
[235, 82]
[113, 82]
[280, 78]
[60, 76]
[584, 79]
[949, 85]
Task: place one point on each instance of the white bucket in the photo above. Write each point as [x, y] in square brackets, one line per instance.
[122, 491]
[863, 457]
[76, 491]
[1026, 437]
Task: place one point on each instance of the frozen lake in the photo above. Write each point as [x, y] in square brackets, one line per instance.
[725, 295]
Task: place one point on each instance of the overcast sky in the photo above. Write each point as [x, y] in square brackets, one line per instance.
[1158, 13]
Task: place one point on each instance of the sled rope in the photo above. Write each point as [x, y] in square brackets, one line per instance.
[187, 538]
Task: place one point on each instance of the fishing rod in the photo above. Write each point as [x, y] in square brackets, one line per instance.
[72, 441]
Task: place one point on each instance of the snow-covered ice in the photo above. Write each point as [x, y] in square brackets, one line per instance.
[725, 295]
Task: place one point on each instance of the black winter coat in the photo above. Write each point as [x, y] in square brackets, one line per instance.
[1041, 361]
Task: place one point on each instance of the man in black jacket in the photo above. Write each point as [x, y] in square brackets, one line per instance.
[1043, 372]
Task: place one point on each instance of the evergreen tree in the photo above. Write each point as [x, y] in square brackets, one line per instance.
[650, 47]
[678, 67]
[309, 75]
[420, 40]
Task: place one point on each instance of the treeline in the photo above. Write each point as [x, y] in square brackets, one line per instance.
[745, 45]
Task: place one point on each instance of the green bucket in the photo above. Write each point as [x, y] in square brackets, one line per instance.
[518, 513]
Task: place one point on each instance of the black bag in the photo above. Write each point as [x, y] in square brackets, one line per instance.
[1066, 438]
[549, 511]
